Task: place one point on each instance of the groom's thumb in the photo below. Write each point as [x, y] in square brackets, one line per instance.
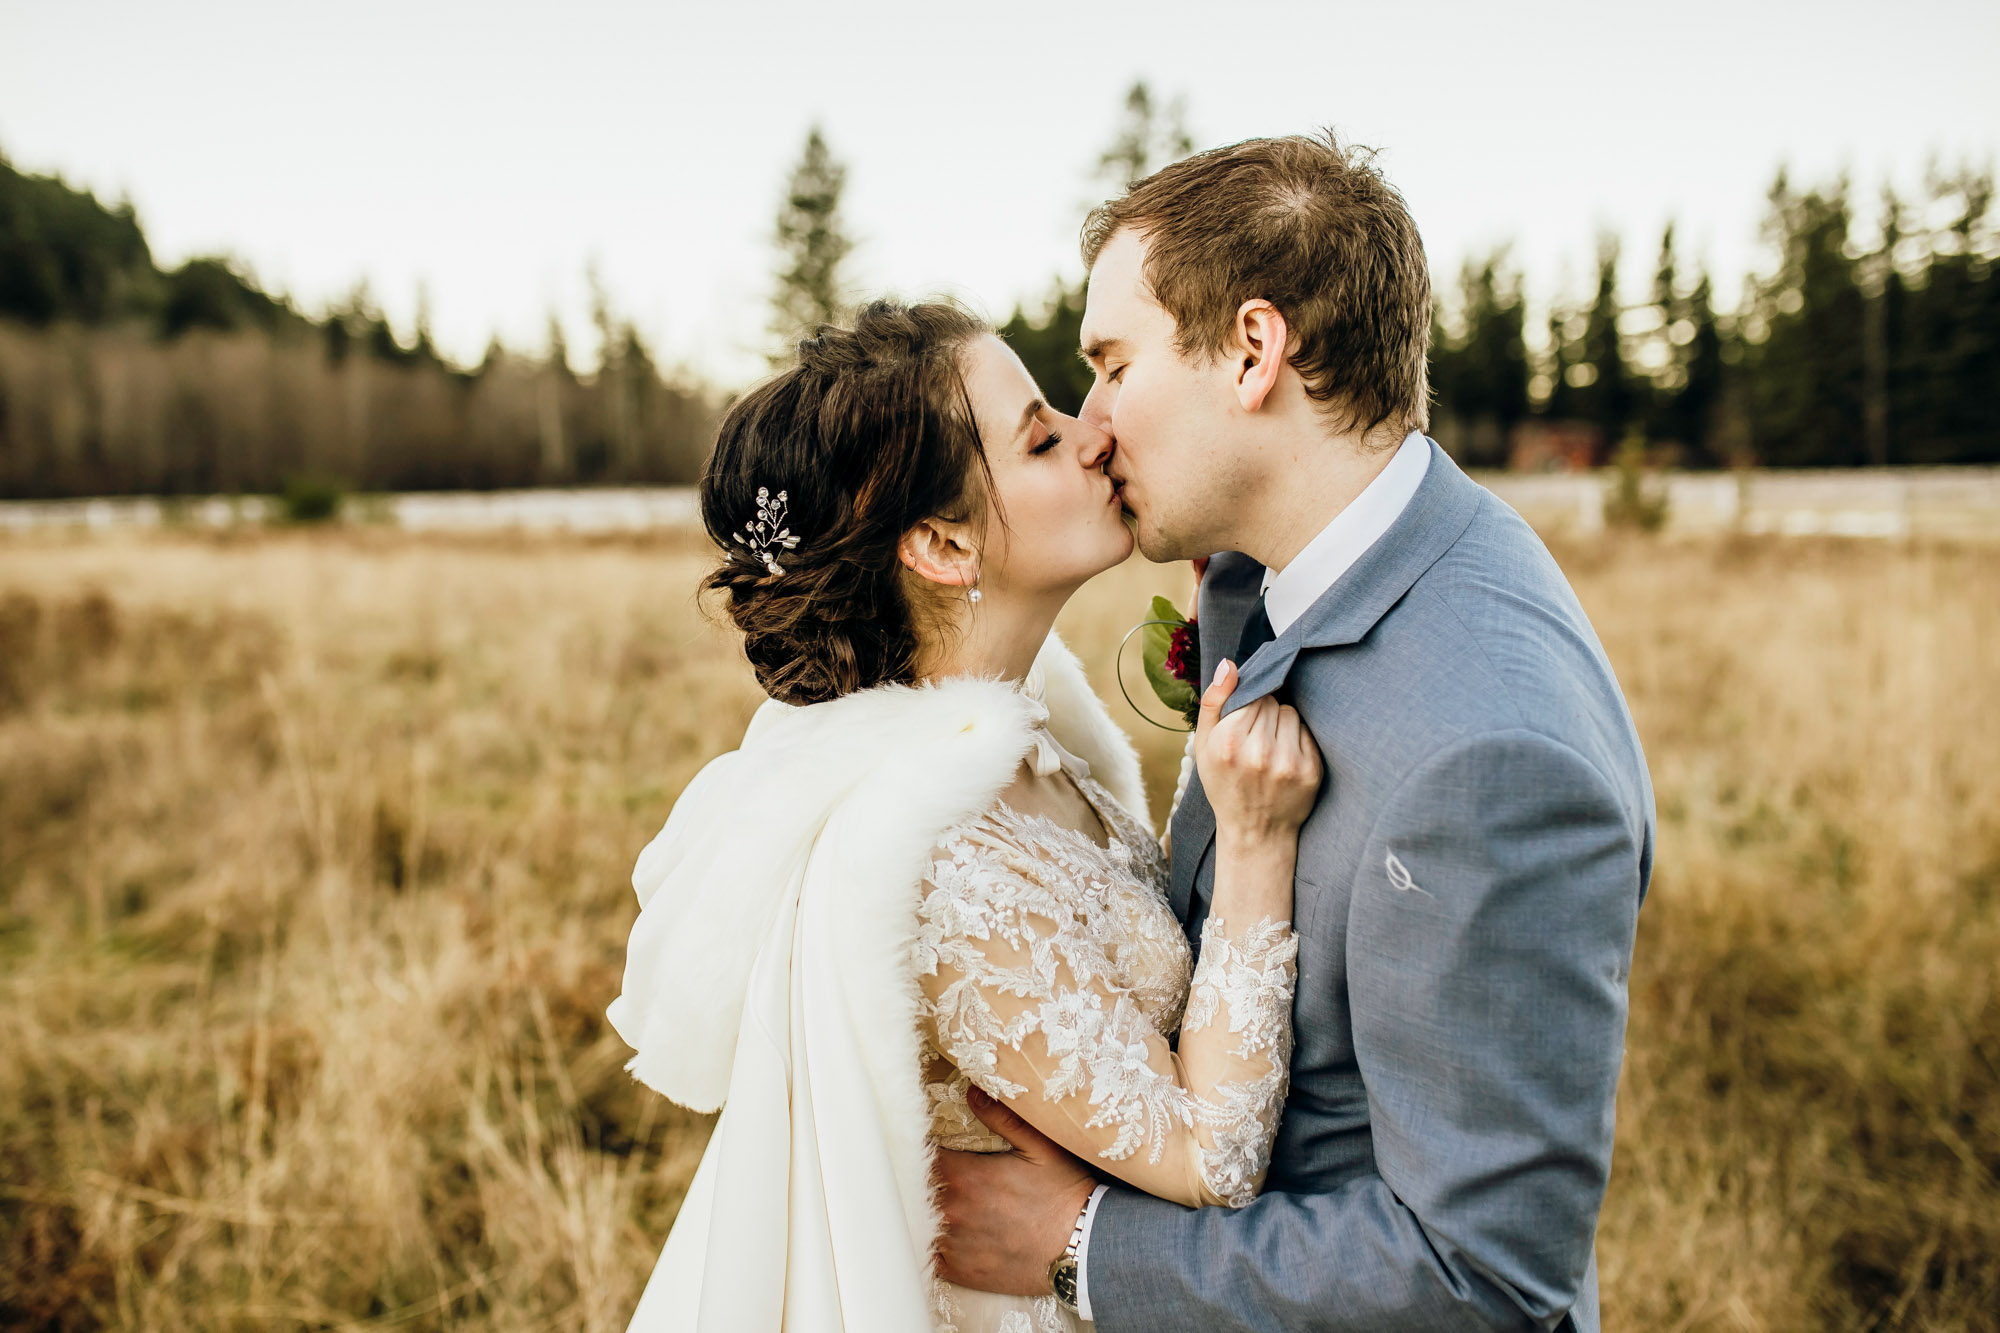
[1000, 1118]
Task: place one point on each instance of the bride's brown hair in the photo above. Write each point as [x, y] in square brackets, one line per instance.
[869, 432]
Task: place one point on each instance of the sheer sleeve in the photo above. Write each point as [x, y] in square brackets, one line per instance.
[1016, 961]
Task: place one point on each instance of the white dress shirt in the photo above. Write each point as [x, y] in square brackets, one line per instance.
[1288, 593]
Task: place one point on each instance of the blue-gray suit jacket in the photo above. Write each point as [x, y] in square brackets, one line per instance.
[1468, 885]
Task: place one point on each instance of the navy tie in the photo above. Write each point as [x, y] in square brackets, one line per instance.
[1257, 632]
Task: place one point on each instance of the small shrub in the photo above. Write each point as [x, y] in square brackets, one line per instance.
[310, 499]
[1631, 502]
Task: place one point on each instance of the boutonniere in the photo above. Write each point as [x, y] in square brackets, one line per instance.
[1170, 649]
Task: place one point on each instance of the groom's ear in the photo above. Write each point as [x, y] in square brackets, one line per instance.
[939, 551]
[1260, 341]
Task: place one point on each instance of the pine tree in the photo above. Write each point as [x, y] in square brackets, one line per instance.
[1046, 343]
[1944, 409]
[1604, 386]
[1481, 371]
[1699, 406]
[1805, 360]
[812, 244]
[1149, 137]
[1564, 355]
[1687, 381]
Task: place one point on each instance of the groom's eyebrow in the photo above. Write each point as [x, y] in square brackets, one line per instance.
[1099, 349]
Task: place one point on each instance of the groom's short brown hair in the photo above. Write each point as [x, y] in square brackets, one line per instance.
[1312, 227]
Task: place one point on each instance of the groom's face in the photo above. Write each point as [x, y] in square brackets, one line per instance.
[1172, 419]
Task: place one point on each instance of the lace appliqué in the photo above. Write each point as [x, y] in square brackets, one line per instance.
[1044, 1314]
[1253, 979]
[1039, 930]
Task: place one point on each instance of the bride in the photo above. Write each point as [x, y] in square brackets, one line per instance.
[928, 867]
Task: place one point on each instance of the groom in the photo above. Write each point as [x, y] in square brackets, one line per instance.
[1468, 883]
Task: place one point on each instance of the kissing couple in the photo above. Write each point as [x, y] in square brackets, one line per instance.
[1338, 1053]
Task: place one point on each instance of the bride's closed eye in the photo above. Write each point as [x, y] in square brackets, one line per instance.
[1048, 444]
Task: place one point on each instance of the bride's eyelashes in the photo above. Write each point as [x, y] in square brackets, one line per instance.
[1048, 444]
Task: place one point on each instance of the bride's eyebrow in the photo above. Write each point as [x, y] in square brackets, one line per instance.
[1028, 416]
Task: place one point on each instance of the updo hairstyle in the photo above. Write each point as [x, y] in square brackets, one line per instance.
[870, 432]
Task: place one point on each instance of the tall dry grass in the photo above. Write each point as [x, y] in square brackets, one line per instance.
[312, 890]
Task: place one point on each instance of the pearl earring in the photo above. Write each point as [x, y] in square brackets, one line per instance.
[975, 594]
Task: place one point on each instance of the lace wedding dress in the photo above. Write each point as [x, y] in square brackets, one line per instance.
[1054, 975]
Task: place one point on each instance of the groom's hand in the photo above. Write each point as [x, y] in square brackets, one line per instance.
[1007, 1215]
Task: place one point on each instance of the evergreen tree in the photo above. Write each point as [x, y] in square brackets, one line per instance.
[1481, 372]
[1149, 137]
[1687, 381]
[214, 294]
[812, 244]
[1805, 359]
[1564, 355]
[1660, 346]
[1604, 386]
[1698, 407]
[1884, 313]
[422, 348]
[1946, 345]
[64, 255]
[1047, 345]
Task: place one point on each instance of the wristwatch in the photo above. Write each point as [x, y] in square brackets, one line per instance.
[1062, 1272]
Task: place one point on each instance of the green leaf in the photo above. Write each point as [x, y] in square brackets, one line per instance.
[1154, 644]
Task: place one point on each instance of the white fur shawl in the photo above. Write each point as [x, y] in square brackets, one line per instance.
[768, 975]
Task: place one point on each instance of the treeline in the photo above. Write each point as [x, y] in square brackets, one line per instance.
[120, 377]
[1851, 351]
[117, 376]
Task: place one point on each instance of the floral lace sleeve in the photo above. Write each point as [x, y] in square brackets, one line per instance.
[1016, 960]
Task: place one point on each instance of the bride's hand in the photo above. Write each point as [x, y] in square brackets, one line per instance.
[1259, 768]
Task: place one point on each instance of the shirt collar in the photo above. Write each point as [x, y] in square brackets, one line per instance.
[1289, 592]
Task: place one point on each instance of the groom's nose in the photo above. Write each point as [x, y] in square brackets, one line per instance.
[1096, 409]
[1095, 444]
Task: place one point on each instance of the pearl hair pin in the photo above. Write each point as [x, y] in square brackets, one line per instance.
[768, 532]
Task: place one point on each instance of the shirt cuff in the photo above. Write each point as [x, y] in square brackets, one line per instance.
[1083, 1254]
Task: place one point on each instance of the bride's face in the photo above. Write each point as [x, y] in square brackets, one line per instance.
[1062, 519]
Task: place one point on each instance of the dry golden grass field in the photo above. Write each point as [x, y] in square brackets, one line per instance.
[313, 858]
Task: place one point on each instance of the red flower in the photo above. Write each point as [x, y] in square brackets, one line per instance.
[1184, 654]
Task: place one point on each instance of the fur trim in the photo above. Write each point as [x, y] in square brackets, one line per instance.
[846, 798]
[740, 835]
[1077, 718]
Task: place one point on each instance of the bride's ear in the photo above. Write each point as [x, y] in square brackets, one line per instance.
[940, 552]
[1260, 344]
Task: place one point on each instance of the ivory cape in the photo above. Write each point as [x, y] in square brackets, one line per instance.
[769, 976]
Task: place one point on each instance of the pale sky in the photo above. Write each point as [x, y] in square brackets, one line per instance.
[487, 152]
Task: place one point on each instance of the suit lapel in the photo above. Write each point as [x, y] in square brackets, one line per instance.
[1436, 516]
[1194, 829]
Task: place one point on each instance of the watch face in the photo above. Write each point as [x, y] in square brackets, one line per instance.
[1062, 1274]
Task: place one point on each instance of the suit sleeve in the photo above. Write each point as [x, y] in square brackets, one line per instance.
[1488, 940]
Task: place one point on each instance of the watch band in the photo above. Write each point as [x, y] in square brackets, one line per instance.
[1062, 1270]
